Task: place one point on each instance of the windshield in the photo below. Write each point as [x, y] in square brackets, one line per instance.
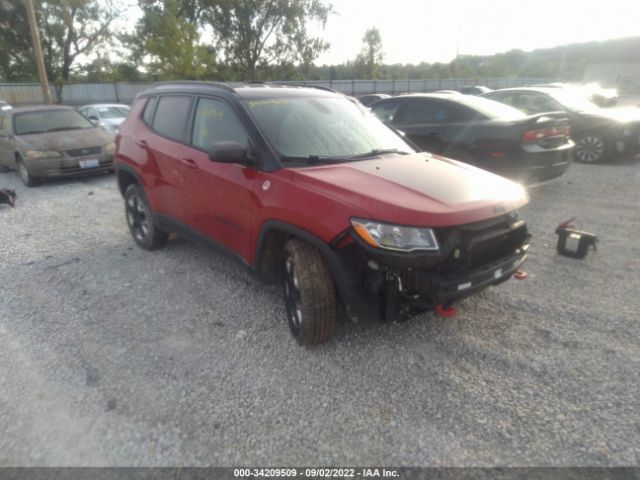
[324, 127]
[492, 109]
[573, 100]
[49, 121]
[113, 112]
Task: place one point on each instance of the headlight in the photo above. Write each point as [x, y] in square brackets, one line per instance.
[395, 237]
[33, 154]
[110, 148]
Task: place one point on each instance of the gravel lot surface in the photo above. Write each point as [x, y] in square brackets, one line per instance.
[110, 355]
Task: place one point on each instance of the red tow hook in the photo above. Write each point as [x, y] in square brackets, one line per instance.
[520, 275]
[445, 312]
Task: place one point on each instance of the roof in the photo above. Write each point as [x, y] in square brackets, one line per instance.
[39, 108]
[99, 105]
[549, 89]
[243, 90]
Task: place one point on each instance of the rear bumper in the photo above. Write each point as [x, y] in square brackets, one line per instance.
[531, 167]
[67, 166]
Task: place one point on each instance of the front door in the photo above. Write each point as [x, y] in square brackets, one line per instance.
[221, 194]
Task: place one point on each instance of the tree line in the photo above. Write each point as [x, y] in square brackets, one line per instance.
[228, 40]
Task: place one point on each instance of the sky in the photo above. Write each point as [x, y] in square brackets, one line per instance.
[433, 30]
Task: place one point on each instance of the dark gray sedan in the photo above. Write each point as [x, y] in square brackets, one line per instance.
[52, 141]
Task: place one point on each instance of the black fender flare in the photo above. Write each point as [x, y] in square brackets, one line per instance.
[118, 167]
[335, 264]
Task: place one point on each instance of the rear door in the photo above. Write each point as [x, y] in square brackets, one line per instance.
[424, 121]
[165, 143]
[220, 195]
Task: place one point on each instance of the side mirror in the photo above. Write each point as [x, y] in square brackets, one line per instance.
[93, 119]
[231, 152]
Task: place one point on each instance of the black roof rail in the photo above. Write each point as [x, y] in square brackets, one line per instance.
[224, 86]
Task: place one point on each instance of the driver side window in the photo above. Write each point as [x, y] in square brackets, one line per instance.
[215, 122]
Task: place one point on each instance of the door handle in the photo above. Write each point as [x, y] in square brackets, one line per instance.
[433, 134]
[190, 163]
[143, 144]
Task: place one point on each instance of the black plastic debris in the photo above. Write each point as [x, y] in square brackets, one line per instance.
[572, 242]
[8, 197]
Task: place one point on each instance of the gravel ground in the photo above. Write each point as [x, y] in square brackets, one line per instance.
[110, 355]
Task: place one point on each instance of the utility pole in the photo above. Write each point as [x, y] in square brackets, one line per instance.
[37, 50]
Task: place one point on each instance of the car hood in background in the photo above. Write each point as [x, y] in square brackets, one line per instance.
[116, 122]
[418, 189]
[67, 139]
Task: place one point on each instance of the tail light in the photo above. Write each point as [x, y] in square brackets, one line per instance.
[541, 134]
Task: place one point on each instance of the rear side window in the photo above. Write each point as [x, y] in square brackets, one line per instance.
[386, 111]
[149, 109]
[425, 111]
[172, 117]
[215, 122]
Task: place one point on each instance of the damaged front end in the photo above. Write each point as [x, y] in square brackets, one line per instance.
[393, 285]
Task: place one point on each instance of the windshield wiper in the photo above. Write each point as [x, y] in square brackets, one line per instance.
[378, 151]
[314, 159]
[31, 132]
[60, 129]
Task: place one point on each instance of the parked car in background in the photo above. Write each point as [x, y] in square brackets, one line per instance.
[474, 90]
[47, 142]
[484, 133]
[602, 97]
[367, 100]
[106, 115]
[599, 133]
[307, 188]
[4, 106]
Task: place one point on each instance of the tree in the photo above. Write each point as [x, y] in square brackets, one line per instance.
[167, 39]
[254, 35]
[371, 55]
[16, 58]
[71, 29]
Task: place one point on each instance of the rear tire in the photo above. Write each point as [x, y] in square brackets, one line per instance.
[310, 294]
[25, 176]
[140, 220]
[590, 148]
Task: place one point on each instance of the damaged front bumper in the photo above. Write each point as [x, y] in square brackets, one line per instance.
[394, 286]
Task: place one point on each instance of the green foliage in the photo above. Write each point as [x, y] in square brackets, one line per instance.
[71, 29]
[369, 60]
[16, 58]
[253, 36]
[167, 39]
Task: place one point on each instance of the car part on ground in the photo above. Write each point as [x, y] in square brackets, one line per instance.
[306, 187]
[52, 142]
[8, 197]
[530, 149]
[600, 134]
[574, 243]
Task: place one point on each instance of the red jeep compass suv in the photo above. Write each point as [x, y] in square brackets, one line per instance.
[307, 188]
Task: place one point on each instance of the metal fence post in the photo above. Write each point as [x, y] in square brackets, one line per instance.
[115, 89]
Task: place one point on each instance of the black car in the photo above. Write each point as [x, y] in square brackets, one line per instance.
[367, 100]
[599, 133]
[474, 90]
[484, 133]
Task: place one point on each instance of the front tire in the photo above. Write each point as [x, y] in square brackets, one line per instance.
[590, 148]
[140, 220]
[310, 294]
[25, 176]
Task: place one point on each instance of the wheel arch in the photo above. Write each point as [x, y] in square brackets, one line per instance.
[272, 238]
[126, 176]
